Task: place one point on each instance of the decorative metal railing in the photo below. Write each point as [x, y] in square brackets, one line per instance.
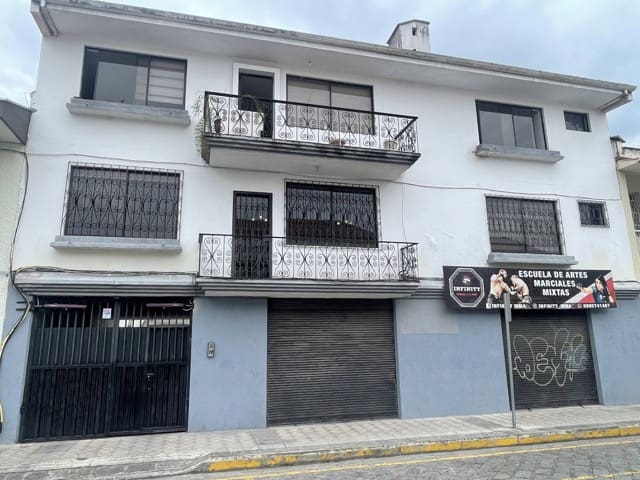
[244, 257]
[247, 116]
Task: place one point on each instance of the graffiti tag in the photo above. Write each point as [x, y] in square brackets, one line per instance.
[539, 362]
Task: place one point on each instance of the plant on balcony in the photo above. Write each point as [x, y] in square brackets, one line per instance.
[197, 110]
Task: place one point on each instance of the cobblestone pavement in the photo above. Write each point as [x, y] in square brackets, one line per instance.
[585, 460]
[175, 452]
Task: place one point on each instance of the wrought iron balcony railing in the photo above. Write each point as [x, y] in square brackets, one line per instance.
[252, 257]
[247, 116]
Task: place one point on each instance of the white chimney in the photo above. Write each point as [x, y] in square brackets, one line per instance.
[411, 35]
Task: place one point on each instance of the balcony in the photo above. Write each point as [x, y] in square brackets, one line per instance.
[271, 264]
[248, 133]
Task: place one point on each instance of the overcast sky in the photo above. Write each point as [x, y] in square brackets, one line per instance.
[591, 38]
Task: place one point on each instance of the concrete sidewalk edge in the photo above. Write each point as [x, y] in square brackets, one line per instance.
[252, 461]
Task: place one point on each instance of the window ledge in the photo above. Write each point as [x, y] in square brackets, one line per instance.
[174, 116]
[501, 258]
[116, 243]
[518, 153]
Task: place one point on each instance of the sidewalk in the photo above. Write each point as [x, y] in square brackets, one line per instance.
[152, 456]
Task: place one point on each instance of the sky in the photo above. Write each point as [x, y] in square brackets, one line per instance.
[590, 38]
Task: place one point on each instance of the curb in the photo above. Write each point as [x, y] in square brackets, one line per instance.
[267, 460]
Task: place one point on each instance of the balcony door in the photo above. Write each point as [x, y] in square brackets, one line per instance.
[251, 235]
[256, 95]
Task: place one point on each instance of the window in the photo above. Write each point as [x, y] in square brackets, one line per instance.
[319, 214]
[133, 79]
[329, 94]
[122, 202]
[634, 200]
[593, 214]
[510, 125]
[523, 225]
[577, 121]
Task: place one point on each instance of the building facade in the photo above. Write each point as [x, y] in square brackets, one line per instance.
[231, 226]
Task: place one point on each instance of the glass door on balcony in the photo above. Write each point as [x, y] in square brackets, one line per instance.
[251, 87]
[252, 235]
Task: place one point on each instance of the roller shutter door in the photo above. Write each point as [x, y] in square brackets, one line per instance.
[330, 360]
[552, 361]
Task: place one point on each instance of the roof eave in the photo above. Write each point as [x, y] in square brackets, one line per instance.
[41, 10]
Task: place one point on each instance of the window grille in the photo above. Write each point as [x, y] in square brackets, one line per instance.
[634, 199]
[331, 215]
[593, 214]
[122, 202]
[523, 225]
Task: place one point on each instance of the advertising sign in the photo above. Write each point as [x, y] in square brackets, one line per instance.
[529, 288]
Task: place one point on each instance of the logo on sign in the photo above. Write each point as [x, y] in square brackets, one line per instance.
[466, 287]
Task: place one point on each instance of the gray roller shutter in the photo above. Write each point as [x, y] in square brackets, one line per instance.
[330, 360]
[552, 361]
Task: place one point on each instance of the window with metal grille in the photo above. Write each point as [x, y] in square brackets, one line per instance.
[593, 214]
[634, 200]
[523, 225]
[122, 202]
[319, 214]
[510, 125]
[131, 78]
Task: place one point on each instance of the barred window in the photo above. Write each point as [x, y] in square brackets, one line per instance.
[523, 225]
[593, 214]
[320, 214]
[122, 202]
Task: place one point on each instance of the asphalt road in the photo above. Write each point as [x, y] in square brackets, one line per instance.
[584, 460]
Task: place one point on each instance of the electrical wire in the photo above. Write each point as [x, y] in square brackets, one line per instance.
[320, 176]
[14, 327]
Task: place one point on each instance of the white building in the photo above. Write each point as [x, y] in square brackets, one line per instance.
[222, 230]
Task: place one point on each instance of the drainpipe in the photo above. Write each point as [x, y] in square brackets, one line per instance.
[42, 16]
[622, 99]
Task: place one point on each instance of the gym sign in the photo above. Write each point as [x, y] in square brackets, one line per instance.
[528, 288]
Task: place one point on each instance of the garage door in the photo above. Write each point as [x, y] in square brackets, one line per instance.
[552, 361]
[330, 360]
[107, 366]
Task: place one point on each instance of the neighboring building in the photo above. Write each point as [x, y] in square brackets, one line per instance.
[14, 127]
[628, 163]
[222, 230]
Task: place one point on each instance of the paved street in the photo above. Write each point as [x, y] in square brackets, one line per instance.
[585, 460]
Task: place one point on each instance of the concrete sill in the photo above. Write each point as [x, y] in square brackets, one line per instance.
[80, 106]
[116, 243]
[518, 153]
[499, 258]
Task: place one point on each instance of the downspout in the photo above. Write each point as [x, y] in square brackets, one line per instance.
[622, 99]
[42, 16]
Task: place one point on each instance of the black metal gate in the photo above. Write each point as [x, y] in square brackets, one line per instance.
[330, 360]
[107, 366]
[552, 361]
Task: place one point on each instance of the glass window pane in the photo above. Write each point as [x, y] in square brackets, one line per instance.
[496, 129]
[116, 82]
[308, 91]
[524, 131]
[351, 97]
[166, 82]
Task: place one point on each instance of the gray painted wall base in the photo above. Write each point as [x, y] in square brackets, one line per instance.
[615, 339]
[449, 363]
[228, 391]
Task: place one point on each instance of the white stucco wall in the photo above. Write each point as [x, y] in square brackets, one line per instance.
[439, 202]
[12, 170]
